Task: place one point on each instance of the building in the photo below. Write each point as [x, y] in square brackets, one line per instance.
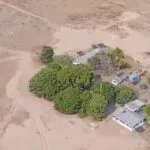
[85, 58]
[135, 106]
[131, 116]
[119, 78]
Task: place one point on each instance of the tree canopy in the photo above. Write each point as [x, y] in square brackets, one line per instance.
[97, 107]
[68, 101]
[85, 97]
[106, 89]
[44, 83]
[82, 76]
[124, 95]
[47, 54]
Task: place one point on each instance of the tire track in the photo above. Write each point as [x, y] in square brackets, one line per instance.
[13, 93]
[48, 22]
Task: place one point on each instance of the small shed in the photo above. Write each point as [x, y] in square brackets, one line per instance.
[135, 106]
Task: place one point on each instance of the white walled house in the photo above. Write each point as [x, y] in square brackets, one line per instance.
[130, 117]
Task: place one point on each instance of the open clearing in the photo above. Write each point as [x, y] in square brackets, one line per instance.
[28, 123]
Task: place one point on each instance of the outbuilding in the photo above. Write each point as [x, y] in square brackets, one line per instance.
[131, 116]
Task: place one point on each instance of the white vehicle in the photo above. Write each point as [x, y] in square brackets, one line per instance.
[119, 78]
[115, 82]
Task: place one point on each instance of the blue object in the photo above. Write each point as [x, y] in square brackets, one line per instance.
[133, 78]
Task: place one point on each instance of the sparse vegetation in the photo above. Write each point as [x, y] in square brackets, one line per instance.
[63, 60]
[47, 54]
[117, 56]
[148, 80]
[102, 64]
[147, 112]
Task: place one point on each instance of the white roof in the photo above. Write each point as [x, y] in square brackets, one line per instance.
[134, 105]
[132, 119]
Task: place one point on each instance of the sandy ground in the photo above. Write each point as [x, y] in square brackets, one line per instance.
[28, 123]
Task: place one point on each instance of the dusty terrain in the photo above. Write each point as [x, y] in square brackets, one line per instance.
[28, 123]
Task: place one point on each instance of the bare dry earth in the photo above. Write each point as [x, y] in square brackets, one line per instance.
[28, 123]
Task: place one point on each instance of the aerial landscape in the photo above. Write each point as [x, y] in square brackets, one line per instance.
[74, 75]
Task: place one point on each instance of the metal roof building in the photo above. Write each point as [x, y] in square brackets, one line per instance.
[135, 105]
[128, 116]
[84, 58]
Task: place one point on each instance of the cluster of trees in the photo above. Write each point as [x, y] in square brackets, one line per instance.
[73, 89]
[118, 56]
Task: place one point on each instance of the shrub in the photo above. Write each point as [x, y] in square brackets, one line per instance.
[106, 89]
[63, 60]
[148, 80]
[147, 111]
[68, 101]
[117, 56]
[47, 54]
[44, 83]
[94, 61]
[123, 65]
[97, 107]
[124, 95]
[85, 98]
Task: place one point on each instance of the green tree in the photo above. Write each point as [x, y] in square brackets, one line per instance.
[124, 95]
[147, 111]
[85, 98]
[68, 101]
[97, 107]
[44, 83]
[47, 54]
[82, 76]
[106, 89]
[64, 78]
